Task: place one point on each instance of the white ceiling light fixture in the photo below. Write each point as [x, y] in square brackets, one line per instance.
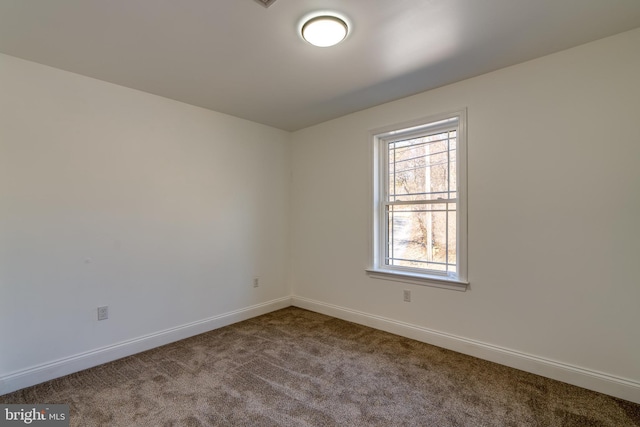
[324, 30]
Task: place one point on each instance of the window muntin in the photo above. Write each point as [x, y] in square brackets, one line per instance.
[419, 228]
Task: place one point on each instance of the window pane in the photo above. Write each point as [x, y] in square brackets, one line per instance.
[421, 236]
[452, 165]
[422, 168]
[451, 238]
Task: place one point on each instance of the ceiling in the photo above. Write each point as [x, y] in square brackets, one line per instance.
[240, 58]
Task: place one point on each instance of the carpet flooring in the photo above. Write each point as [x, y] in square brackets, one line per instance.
[294, 367]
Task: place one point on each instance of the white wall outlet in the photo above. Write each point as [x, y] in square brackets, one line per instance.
[103, 312]
[407, 295]
[256, 282]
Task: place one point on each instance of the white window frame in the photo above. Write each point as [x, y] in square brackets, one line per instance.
[378, 142]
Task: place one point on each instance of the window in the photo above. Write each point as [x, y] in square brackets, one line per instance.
[419, 212]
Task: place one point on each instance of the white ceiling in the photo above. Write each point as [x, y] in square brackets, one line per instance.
[240, 58]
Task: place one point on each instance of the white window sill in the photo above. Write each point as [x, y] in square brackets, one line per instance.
[419, 279]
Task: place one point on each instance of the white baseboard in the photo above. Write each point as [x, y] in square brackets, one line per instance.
[581, 377]
[58, 368]
[586, 378]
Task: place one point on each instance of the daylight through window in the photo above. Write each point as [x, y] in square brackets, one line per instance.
[419, 225]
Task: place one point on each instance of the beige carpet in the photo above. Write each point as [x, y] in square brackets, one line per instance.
[298, 368]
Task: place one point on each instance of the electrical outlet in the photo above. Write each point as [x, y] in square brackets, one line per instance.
[407, 295]
[256, 282]
[103, 312]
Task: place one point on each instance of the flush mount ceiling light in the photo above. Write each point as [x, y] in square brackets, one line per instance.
[324, 30]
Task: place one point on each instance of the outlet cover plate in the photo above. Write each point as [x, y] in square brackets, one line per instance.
[407, 295]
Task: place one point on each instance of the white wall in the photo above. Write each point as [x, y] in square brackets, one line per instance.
[111, 196]
[554, 205]
[165, 212]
